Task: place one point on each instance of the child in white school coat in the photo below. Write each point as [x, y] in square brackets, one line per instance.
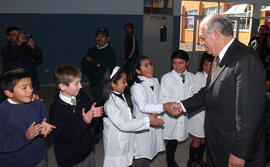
[196, 122]
[175, 86]
[120, 145]
[145, 99]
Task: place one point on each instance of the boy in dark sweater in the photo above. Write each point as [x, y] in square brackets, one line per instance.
[71, 113]
[23, 123]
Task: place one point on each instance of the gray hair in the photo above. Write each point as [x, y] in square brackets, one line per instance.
[221, 23]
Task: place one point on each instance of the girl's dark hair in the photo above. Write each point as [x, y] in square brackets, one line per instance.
[207, 57]
[181, 54]
[133, 77]
[106, 88]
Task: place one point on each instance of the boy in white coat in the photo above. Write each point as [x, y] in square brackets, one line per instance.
[175, 86]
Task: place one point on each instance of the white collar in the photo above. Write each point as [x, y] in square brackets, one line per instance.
[11, 101]
[117, 93]
[224, 50]
[148, 81]
[176, 73]
[204, 73]
[104, 46]
[65, 98]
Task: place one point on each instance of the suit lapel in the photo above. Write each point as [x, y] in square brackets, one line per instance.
[218, 71]
[228, 57]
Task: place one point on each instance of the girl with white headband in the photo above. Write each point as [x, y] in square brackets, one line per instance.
[119, 124]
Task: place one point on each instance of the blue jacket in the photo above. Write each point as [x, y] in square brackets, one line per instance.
[15, 149]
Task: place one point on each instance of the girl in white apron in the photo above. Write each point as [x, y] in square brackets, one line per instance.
[120, 145]
[196, 123]
[145, 99]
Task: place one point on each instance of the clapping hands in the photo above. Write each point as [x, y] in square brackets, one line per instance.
[43, 128]
[93, 112]
[46, 128]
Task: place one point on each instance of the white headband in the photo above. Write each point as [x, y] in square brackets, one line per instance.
[116, 68]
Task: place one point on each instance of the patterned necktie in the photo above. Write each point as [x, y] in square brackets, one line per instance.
[73, 101]
[183, 77]
[216, 63]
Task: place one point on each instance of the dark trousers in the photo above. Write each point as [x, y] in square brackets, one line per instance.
[142, 162]
[170, 151]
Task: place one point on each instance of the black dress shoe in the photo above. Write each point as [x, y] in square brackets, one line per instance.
[173, 165]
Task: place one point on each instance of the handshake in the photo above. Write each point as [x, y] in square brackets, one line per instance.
[173, 108]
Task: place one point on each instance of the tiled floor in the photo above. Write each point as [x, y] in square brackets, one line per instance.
[159, 161]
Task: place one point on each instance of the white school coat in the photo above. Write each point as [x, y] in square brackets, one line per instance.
[196, 122]
[174, 90]
[120, 146]
[145, 102]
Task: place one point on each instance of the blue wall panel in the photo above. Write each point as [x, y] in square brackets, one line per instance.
[65, 38]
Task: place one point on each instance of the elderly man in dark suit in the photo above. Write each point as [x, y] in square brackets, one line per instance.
[234, 98]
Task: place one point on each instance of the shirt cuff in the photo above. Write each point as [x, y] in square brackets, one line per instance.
[183, 107]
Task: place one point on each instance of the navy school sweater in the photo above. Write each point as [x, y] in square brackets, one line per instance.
[73, 141]
[15, 149]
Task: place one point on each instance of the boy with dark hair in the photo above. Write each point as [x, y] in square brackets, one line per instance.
[176, 86]
[22, 122]
[73, 142]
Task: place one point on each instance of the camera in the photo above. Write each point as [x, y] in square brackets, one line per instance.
[28, 37]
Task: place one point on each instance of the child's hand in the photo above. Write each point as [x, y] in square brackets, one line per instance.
[35, 97]
[98, 111]
[33, 131]
[46, 128]
[87, 117]
[175, 109]
[155, 121]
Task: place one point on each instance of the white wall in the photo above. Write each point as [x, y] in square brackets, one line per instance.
[130, 7]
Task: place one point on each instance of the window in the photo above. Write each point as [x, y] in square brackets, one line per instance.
[209, 11]
[189, 19]
[240, 10]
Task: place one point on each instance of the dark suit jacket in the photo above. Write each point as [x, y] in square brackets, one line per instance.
[234, 102]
